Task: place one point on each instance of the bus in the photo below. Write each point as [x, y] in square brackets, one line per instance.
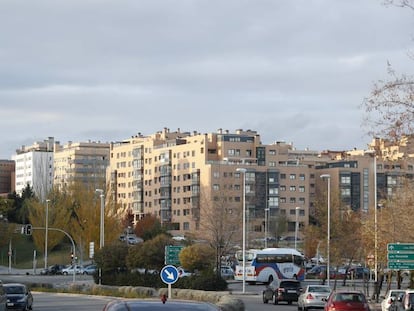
[266, 265]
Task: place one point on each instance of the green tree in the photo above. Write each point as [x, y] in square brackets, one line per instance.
[58, 217]
[149, 254]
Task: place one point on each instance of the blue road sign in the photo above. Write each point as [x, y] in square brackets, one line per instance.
[169, 274]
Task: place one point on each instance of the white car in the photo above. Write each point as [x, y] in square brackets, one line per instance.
[183, 272]
[313, 296]
[71, 269]
[390, 297]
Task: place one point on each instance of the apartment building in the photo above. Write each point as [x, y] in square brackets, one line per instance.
[34, 167]
[179, 176]
[80, 162]
[7, 177]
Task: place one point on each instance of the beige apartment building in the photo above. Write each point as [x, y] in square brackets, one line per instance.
[181, 176]
[80, 162]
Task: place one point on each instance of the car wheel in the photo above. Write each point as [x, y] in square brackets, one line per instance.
[65, 273]
[289, 302]
[265, 300]
[304, 308]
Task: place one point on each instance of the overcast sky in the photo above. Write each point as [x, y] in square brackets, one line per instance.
[104, 70]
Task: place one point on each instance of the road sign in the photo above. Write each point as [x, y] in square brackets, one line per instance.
[400, 247]
[398, 265]
[400, 256]
[171, 254]
[169, 274]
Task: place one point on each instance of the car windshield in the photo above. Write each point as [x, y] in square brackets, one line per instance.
[349, 297]
[319, 289]
[14, 289]
[289, 284]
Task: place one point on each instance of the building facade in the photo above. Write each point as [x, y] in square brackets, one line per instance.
[81, 162]
[179, 176]
[34, 167]
[7, 177]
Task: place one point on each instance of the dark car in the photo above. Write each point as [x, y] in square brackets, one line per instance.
[52, 270]
[155, 305]
[282, 290]
[358, 273]
[19, 296]
[346, 300]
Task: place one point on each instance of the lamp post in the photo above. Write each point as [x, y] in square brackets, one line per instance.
[328, 242]
[243, 171]
[46, 230]
[101, 231]
[297, 209]
[102, 224]
[374, 155]
[266, 225]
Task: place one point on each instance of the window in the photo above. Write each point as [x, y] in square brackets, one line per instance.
[301, 176]
[273, 202]
[292, 188]
[292, 176]
[216, 187]
[292, 200]
[282, 176]
[301, 188]
[282, 188]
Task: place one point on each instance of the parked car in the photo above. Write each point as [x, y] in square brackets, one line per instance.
[226, 272]
[314, 296]
[70, 269]
[3, 298]
[89, 270]
[183, 272]
[406, 301]
[18, 296]
[52, 270]
[155, 305]
[358, 273]
[282, 290]
[132, 240]
[315, 271]
[346, 300]
[390, 299]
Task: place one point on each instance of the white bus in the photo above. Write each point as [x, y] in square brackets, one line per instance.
[269, 264]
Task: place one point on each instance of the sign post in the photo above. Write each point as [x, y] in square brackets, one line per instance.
[171, 254]
[400, 256]
[169, 275]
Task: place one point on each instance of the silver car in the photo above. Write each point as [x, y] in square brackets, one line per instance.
[313, 297]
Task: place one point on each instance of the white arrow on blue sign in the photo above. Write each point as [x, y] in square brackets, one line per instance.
[169, 274]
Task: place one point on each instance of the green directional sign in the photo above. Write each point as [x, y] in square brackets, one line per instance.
[400, 256]
[171, 254]
[400, 247]
[397, 265]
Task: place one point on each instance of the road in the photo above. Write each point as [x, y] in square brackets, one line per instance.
[65, 302]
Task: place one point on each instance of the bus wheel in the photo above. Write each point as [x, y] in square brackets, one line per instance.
[270, 279]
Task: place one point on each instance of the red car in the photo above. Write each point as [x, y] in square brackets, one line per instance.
[345, 300]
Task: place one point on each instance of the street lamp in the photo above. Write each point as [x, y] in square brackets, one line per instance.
[373, 154]
[46, 230]
[266, 225]
[297, 209]
[328, 177]
[243, 171]
[102, 224]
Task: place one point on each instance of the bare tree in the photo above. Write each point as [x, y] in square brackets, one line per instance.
[390, 107]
